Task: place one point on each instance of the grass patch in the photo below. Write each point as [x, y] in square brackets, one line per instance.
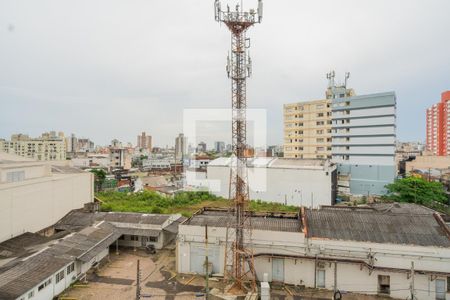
[185, 203]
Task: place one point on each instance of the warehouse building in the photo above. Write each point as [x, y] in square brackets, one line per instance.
[381, 250]
[40, 268]
[300, 182]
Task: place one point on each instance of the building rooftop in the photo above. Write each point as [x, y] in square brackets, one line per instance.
[276, 162]
[392, 225]
[78, 219]
[29, 259]
[260, 221]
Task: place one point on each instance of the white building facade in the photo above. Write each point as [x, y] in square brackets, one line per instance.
[311, 255]
[33, 196]
[297, 182]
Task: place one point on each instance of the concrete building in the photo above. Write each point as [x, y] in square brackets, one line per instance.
[289, 181]
[157, 164]
[307, 125]
[34, 195]
[71, 144]
[390, 250]
[307, 129]
[363, 142]
[144, 141]
[85, 145]
[180, 147]
[427, 162]
[219, 147]
[41, 268]
[92, 161]
[438, 126]
[49, 146]
[201, 147]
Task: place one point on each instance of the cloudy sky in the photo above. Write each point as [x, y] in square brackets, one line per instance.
[109, 69]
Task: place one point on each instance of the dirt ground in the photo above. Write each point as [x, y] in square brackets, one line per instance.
[116, 280]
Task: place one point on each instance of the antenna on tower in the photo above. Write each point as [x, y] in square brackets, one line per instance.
[347, 76]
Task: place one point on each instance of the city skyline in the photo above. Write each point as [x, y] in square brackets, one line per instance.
[109, 63]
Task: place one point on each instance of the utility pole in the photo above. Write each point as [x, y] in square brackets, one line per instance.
[138, 281]
[206, 264]
[239, 67]
[413, 296]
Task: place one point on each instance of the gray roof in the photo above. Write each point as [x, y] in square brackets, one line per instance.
[22, 275]
[369, 225]
[77, 219]
[271, 222]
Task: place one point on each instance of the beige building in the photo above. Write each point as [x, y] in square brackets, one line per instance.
[34, 195]
[425, 162]
[307, 129]
[307, 125]
[49, 146]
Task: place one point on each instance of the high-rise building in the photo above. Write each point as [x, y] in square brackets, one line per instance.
[219, 147]
[49, 146]
[307, 125]
[307, 129]
[144, 141]
[71, 143]
[363, 142]
[201, 147]
[438, 127]
[180, 147]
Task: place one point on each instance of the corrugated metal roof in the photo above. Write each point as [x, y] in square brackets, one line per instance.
[367, 225]
[220, 218]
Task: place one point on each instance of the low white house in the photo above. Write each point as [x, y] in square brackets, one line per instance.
[301, 182]
[57, 264]
[362, 250]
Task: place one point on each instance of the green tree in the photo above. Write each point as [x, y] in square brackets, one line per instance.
[100, 176]
[416, 190]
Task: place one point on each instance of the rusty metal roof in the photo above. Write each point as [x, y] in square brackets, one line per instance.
[370, 225]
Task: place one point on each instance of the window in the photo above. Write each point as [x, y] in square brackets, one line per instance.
[59, 276]
[320, 123]
[15, 176]
[30, 294]
[384, 284]
[319, 131]
[320, 140]
[448, 284]
[319, 106]
[153, 239]
[320, 148]
[70, 268]
[134, 237]
[320, 114]
[43, 285]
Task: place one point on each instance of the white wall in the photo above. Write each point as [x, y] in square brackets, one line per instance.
[33, 205]
[350, 276]
[291, 186]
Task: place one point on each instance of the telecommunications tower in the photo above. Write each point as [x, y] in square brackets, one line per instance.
[239, 257]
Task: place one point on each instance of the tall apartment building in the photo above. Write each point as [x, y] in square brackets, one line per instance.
[307, 125]
[49, 146]
[438, 127]
[180, 147]
[307, 129]
[144, 141]
[363, 142]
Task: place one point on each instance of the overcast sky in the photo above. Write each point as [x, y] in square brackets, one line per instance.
[110, 69]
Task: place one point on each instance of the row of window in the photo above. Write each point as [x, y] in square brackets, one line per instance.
[58, 277]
